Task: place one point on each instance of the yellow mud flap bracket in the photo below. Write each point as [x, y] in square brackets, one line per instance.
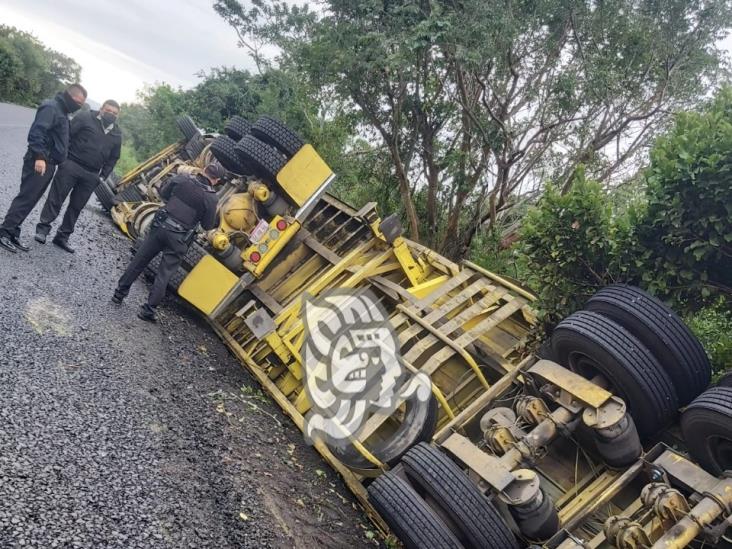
[207, 284]
[305, 178]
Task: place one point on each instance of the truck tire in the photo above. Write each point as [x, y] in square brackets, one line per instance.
[706, 425]
[237, 127]
[662, 332]
[478, 520]
[263, 160]
[105, 195]
[129, 194]
[177, 279]
[275, 133]
[420, 423]
[195, 147]
[725, 380]
[195, 253]
[590, 344]
[408, 515]
[187, 127]
[223, 148]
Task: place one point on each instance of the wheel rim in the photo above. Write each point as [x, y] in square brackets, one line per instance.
[584, 365]
[720, 449]
[589, 368]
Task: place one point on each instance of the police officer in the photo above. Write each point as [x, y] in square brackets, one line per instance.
[48, 144]
[190, 200]
[94, 148]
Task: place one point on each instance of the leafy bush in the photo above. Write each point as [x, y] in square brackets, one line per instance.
[127, 160]
[685, 233]
[569, 246]
[713, 326]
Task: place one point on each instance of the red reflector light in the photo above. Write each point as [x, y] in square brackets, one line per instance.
[281, 225]
[254, 257]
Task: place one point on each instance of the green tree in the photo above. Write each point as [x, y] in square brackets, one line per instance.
[29, 71]
[478, 100]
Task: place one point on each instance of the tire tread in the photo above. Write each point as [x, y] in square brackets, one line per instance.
[408, 515]
[446, 483]
[710, 414]
[662, 331]
[264, 160]
[275, 133]
[637, 361]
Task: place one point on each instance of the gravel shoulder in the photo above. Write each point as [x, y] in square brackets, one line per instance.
[116, 433]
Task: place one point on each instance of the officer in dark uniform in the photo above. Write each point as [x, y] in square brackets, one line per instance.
[48, 144]
[94, 148]
[190, 200]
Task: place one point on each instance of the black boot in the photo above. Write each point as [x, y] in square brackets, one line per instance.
[19, 245]
[6, 243]
[147, 313]
[63, 244]
[117, 298]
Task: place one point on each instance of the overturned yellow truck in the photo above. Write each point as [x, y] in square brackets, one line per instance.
[609, 436]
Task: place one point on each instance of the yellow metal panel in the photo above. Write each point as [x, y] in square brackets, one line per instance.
[424, 289]
[207, 284]
[303, 175]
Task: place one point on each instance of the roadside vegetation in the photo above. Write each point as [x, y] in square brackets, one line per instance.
[29, 71]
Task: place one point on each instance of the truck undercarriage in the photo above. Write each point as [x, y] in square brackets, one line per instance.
[576, 445]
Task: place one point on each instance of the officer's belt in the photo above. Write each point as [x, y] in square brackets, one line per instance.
[174, 225]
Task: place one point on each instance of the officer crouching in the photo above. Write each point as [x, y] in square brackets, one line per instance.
[189, 200]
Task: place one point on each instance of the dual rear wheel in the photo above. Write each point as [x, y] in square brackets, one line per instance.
[654, 362]
[260, 149]
[431, 502]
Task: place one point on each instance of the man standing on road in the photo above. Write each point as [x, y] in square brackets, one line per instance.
[189, 200]
[48, 144]
[95, 144]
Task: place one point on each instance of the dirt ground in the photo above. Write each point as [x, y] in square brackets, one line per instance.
[118, 433]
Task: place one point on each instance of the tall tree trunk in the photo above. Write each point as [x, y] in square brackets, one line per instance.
[405, 192]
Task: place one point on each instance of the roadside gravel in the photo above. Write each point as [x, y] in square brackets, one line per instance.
[116, 433]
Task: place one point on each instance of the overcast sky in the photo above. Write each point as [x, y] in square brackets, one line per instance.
[123, 44]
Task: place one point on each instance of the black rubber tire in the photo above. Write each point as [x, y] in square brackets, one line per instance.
[413, 521]
[187, 127]
[129, 194]
[706, 425]
[419, 426]
[589, 343]
[263, 160]
[725, 380]
[478, 520]
[237, 127]
[275, 133]
[223, 148]
[105, 195]
[195, 147]
[662, 332]
[195, 253]
[177, 279]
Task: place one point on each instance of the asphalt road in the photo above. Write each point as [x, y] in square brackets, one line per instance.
[118, 433]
